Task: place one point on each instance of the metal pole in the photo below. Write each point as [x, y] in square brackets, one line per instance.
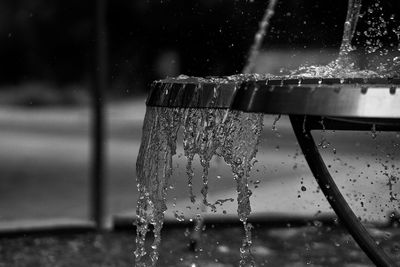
[334, 196]
[98, 121]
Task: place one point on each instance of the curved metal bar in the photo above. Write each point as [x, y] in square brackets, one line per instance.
[333, 195]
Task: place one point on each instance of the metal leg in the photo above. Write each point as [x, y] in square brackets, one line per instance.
[333, 195]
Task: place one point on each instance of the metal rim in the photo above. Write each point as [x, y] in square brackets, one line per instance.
[350, 97]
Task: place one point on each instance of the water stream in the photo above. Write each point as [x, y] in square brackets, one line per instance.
[154, 168]
[233, 135]
[353, 13]
[259, 37]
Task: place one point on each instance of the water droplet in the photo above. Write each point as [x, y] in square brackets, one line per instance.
[373, 132]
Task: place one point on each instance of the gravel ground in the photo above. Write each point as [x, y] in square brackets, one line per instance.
[297, 246]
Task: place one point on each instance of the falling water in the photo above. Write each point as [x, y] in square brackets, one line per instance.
[232, 135]
[202, 130]
[154, 168]
[259, 37]
[353, 13]
[240, 148]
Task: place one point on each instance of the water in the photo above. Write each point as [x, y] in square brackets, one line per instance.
[232, 135]
[239, 150]
[353, 13]
[259, 37]
[154, 168]
[369, 35]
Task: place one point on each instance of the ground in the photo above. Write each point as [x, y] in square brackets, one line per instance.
[278, 247]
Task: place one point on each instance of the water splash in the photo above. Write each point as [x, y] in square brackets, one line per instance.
[202, 135]
[371, 52]
[233, 135]
[274, 126]
[190, 122]
[380, 39]
[240, 148]
[154, 168]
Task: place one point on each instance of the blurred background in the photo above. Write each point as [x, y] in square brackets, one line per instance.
[47, 52]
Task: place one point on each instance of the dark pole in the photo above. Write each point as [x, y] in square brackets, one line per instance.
[98, 121]
[334, 196]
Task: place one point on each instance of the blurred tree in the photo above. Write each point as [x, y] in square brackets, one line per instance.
[45, 39]
[51, 39]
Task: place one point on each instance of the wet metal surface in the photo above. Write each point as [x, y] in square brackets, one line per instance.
[348, 98]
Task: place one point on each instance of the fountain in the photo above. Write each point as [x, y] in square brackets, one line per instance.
[223, 116]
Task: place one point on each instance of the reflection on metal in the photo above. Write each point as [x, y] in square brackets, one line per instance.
[346, 98]
[356, 98]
